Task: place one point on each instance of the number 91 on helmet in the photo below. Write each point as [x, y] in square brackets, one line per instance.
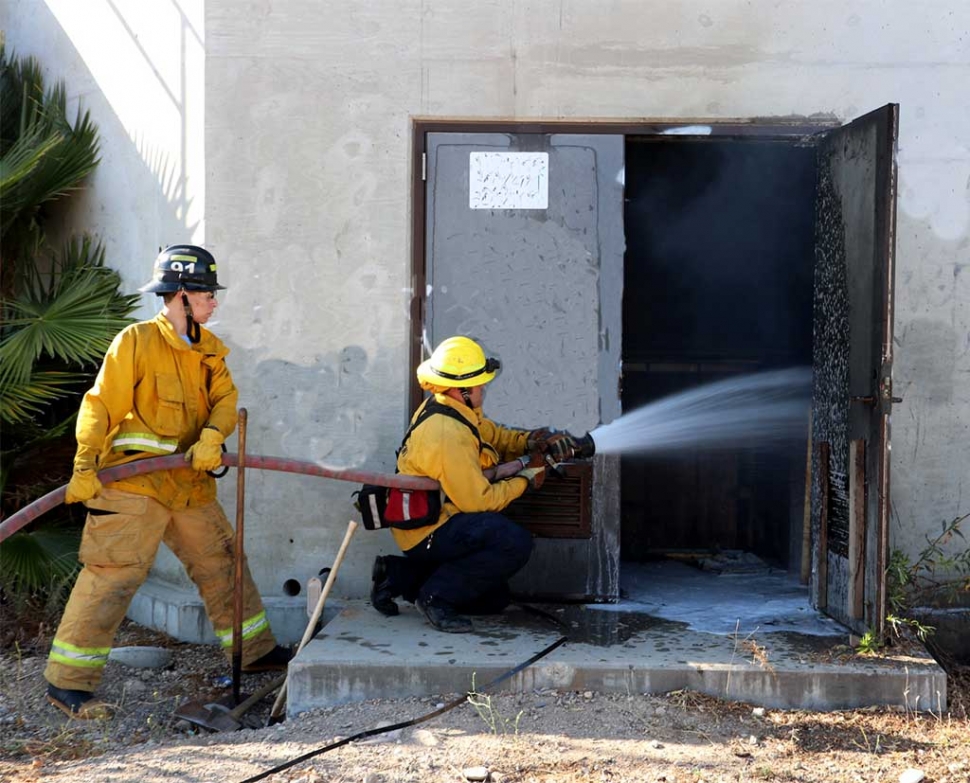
[183, 267]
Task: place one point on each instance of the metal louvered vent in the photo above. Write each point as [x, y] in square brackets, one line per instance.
[562, 508]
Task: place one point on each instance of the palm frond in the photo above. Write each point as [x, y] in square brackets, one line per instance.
[22, 158]
[22, 399]
[70, 314]
[76, 325]
[21, 88]
[57, 315]
[84, 254]
[66, 164]
[63, 154]
[34, 561]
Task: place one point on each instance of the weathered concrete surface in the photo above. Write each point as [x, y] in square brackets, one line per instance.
[363, 655]
[141, 657]
[179, 612]
[748, 637]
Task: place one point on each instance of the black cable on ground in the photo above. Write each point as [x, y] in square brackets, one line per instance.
[422, 719]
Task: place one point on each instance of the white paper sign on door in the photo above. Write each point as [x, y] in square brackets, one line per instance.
[508, 180]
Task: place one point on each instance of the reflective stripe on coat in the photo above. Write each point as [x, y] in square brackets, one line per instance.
[153, 395]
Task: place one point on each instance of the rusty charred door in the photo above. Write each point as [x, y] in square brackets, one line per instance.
[524, 253]
[852, 358]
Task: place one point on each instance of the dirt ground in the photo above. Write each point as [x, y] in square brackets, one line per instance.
[530, 737]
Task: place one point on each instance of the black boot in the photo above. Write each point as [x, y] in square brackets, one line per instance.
[276, 660]
[442, 616]
[381, 593]
[78, 704]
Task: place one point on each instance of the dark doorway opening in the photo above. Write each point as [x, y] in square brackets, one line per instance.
[718, 278]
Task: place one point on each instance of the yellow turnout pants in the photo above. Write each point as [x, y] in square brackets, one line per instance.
[118, 546]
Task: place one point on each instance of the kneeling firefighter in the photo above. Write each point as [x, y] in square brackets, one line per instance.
[461, 563]
[163, 388]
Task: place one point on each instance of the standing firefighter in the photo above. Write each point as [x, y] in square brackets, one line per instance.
[163, 388]
[462, 562]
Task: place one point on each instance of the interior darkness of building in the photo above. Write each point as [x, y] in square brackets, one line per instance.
[718, 282]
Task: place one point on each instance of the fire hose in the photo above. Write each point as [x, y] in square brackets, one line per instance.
[585, 449]
[52, 499]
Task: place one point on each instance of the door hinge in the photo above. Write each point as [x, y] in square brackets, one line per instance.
[424, 166]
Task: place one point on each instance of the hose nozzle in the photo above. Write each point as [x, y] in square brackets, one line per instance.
[585, 448]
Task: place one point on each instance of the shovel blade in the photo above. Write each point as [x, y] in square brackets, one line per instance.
[195, 712]
[224, 721]
[213, 716]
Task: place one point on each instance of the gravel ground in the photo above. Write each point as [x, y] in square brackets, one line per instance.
[536, 736]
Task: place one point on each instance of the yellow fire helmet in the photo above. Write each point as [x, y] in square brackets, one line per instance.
[458, 362]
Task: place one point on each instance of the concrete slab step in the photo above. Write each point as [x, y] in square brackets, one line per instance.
[180, 613]
[362, 655]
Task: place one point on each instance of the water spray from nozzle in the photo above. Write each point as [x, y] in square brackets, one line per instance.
[758, 410]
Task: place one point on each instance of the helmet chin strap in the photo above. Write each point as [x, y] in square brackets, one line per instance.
[191, 327]
[467, 397]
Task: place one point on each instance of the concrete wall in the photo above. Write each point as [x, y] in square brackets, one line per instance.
[308, 117]
[139, 69]
[307, 204]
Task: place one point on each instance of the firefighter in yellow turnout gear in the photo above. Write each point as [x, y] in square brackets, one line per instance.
[461, 563]
[163, 388]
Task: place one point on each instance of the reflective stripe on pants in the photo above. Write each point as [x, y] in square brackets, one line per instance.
[251, 627]
[72, 655]
[121, 537]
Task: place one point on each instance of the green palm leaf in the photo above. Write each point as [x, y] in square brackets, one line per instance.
[21, 400]
[70, 154]
[70, 314]
[75, 325]
[38, 560]
[58, 315]
[24, 156]
[57, 155]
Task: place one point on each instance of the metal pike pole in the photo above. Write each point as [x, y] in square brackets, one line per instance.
[237, 608]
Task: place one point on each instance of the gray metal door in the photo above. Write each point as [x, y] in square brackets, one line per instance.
[853, 321]
[524, 253]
